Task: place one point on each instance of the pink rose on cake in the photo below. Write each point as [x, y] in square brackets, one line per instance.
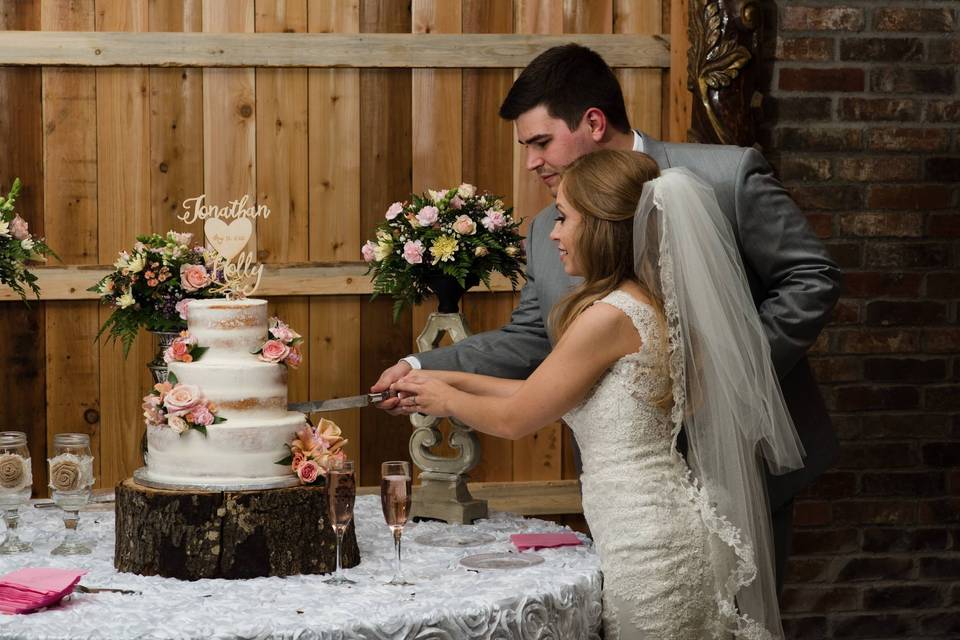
[182, 399]
[274, 351]
[283, 347]
[298, 459]
[183, 349]
[194, 277]
[201, 415]
[308, 471]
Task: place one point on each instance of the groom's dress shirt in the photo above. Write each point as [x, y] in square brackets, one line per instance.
[793, 281]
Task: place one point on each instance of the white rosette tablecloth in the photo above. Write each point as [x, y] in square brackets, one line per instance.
[556, 600]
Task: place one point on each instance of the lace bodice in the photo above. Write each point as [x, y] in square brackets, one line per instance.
[636, 427]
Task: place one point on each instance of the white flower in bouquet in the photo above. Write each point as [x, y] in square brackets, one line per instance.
[123, 261]
[136, 263]
[466, 190]
[27, 244]
[4, 228]
[126, 300]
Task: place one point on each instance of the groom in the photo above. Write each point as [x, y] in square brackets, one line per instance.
[568, 103]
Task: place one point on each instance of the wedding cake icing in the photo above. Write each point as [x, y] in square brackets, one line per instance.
[248, 393]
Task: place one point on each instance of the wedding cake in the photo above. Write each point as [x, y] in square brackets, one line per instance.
[238, 448]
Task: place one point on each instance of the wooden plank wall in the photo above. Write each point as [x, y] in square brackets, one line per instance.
[109, 153]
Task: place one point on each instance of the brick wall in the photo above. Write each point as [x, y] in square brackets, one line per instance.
[862, 122]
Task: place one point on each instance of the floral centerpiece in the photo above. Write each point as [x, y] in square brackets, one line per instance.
[152, 284]
[315, 450]
[180, 407]
[18, 246]
[457, 233]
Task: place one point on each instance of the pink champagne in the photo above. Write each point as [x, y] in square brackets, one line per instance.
[395, 499]
[343, 493]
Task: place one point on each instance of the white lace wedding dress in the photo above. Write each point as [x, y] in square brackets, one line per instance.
[642, 510]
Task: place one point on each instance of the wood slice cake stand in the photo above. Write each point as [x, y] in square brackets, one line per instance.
[191, 534]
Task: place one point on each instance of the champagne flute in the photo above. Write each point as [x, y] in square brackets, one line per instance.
[16, 480]
[71, 477]
[395, 500]
[341, 494]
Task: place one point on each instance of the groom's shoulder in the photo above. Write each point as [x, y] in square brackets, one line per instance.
[681, 153]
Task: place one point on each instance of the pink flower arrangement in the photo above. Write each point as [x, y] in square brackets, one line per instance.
[183, 349]
[315, 450]
[454, 233]
[283, 347]
[180, 407]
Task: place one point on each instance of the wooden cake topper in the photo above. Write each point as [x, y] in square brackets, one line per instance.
[237, 273]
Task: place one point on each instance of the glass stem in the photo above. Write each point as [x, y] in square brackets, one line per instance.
[339, 540]
[11, 517]
[397, 532]
[71, 520]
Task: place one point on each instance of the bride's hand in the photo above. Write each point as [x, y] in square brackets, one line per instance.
[424, 393]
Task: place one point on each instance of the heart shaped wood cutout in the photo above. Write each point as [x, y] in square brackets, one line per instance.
[228, 239]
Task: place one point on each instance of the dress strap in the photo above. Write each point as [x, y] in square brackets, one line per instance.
[642, 315]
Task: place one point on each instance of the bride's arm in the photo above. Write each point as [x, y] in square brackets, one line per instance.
[476, 384]
[557, 385]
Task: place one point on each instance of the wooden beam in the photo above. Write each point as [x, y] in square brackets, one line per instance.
[535, 498]
[403, 50]
[298, 279]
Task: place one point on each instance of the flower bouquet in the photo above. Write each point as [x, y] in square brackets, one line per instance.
[314, 451]
[151, 286]
[458, 234]
[17, 247]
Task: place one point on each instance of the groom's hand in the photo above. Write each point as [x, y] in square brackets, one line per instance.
[393, 405]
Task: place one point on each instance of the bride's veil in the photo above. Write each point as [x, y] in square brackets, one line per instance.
[725, 390]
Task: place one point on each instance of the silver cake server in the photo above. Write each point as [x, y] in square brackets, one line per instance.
[336, 404]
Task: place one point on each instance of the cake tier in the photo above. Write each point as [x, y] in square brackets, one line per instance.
[241, 388]
[241, 450]
[229, 328]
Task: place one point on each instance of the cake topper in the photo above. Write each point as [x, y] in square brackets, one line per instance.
[238, 274]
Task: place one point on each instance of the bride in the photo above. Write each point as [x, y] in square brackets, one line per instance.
[644, 348]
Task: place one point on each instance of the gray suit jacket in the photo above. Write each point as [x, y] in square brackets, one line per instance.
[793, 281]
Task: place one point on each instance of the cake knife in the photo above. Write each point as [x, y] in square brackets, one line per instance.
[335, 404]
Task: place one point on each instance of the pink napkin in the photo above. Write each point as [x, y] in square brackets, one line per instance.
[544, 540]
[28, 589]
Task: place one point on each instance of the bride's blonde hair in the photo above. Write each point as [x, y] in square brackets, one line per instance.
[605, 187]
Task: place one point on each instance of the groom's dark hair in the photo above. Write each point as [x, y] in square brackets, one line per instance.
[567, 80]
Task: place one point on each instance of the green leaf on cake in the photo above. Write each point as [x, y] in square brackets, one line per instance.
[172, 378]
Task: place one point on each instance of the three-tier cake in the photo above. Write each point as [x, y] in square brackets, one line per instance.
[249, 394]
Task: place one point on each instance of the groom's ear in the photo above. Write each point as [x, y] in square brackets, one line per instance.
[596, 121]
